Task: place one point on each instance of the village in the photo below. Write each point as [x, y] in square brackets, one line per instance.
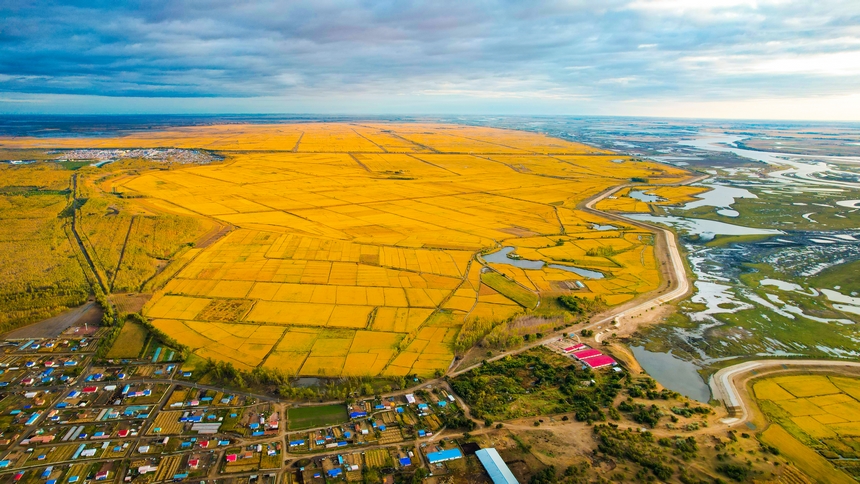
[70, 417]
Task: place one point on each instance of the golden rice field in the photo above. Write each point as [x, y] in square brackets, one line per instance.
[353, 248]
[813, 413]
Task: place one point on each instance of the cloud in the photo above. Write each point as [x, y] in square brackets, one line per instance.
[401, 53]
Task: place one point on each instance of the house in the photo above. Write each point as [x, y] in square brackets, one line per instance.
[444, 455]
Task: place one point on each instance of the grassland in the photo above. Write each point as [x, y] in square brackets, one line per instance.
[349, 249]
[319, 416]
[129, 343]
[816, 420]
[843, 276]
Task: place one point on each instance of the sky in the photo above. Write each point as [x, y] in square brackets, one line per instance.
[767, 59]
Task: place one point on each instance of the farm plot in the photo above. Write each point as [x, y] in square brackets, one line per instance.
[812, 413]
[317, 416]
[166, 423]
[130, 341]
[377, 459]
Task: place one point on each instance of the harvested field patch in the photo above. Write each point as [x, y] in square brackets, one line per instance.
[316, 416]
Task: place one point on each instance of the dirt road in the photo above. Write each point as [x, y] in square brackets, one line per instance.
[52, 327]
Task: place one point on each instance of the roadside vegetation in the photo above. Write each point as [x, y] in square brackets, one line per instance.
[537, 382]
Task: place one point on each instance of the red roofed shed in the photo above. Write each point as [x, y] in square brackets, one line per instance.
[585, 354]
[600, 361]
[577, 346]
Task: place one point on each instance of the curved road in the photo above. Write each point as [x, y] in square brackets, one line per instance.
[679, 283]
[724, 386]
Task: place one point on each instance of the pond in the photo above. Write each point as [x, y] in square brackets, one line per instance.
[673, 373]
[501, 257]
[720, 196]
[702, 227]
[306, 382]
[601, 228]
[644, 197]
[578, 270]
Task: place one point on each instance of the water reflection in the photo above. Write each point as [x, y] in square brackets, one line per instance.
[675, 374]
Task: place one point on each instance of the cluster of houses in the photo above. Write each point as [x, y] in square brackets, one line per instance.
[28, 371]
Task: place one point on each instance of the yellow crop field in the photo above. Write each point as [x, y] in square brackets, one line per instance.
[850, 386]
[807, 386]
[803, 457]
[770, 390]
[815, 410]
[352, 248]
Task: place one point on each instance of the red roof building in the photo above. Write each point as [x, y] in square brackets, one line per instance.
[600, 361]
[585, 354]
[575, 347]
[89, 389]
[232, 458]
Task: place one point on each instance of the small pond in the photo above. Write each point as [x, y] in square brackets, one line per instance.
[601, 228]
[578, 270]
[644, 197]
[673, 373]
[501, 257]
